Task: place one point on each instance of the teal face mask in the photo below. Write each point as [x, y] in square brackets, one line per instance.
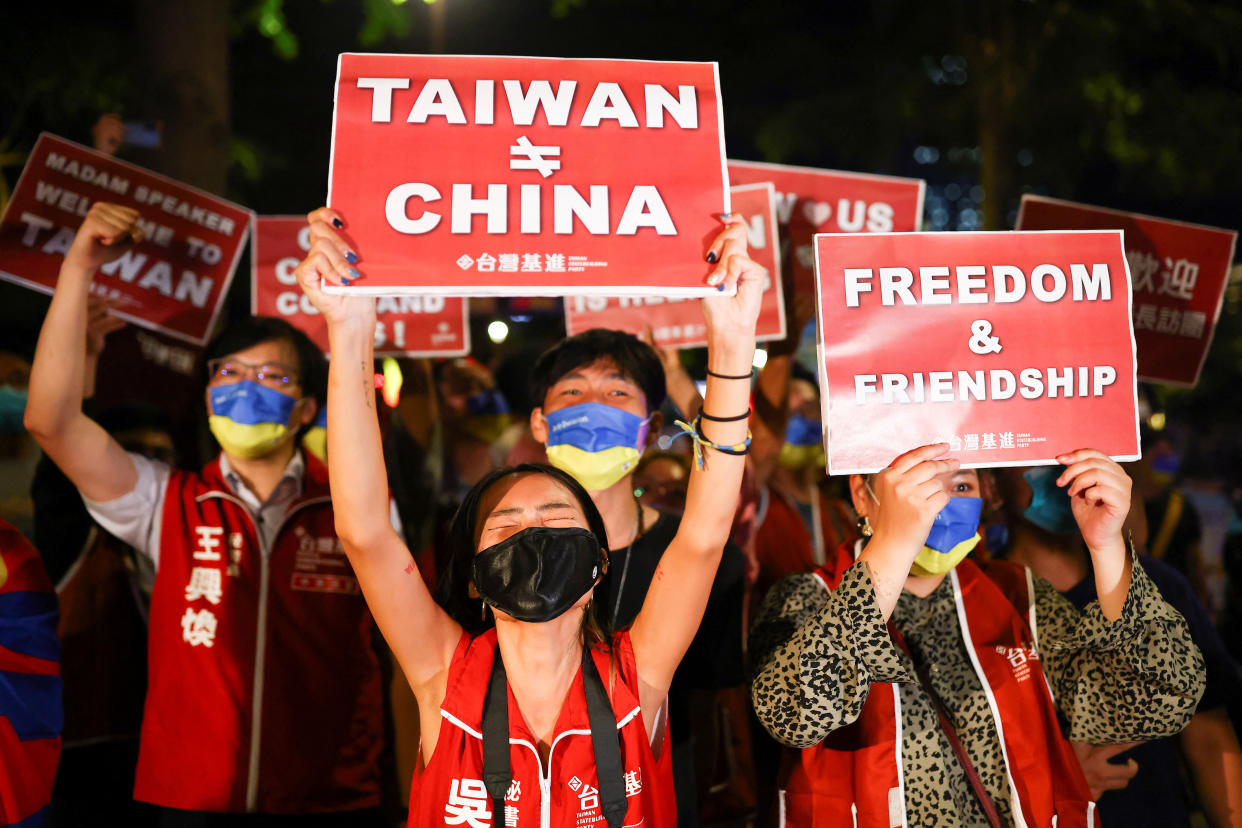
[12, 409]
[1050, 507]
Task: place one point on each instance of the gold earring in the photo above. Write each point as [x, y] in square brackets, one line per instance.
[864, 526]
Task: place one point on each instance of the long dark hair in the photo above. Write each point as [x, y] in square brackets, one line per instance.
[452, 590]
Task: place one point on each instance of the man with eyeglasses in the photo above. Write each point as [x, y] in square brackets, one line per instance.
[265, 692]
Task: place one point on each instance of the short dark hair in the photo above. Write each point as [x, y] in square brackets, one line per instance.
[248, 331]
[452, 591]
[636, 359]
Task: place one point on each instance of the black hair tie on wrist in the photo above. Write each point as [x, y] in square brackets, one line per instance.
[712, 373]
[710, 418]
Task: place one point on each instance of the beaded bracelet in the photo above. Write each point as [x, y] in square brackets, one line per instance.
[695, 432]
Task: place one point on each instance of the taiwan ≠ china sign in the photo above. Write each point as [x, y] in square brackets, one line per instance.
[405, 325]
[810, 201]
[175, 281]
[1012, 348]
[527, 176]
[1179, 274]
[678, 323]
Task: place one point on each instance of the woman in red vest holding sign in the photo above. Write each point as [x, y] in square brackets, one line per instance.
[924, 687]
[540, 718]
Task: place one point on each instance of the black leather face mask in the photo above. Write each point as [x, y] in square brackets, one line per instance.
[538, 573]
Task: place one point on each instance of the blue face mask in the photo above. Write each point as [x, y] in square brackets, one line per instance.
[1050, 507]
[801, 431]
[596, 443]
[487, 403]
[248, 419]
[12, 409]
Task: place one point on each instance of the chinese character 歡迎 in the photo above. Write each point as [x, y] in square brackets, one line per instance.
[1143, 267]
[508, 263]
[199, 627]
[208, 543]
[1178, 278]
[532, 263]
[1170, 321]
[205, 582]
[468, 804]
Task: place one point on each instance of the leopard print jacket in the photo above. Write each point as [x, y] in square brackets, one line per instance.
[818, 652]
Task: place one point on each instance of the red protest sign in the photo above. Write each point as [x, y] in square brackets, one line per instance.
[175, 281]
[810, 201]
[413, 326]
[1179, 274]
[678, 323]
[486, 176]
[1011, 347]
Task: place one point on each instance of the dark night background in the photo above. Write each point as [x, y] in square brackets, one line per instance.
[1133, 104]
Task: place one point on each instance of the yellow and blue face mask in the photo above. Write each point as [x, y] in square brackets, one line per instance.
[315, 440]
[804, 444]
[247, 419]
[487, 416]
[596, 443]
[954, 534]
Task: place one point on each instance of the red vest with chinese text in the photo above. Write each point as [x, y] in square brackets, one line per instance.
[264, 690]
[450, 789]
[854, 777]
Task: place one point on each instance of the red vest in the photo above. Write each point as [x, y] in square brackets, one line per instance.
[264, 689]
[450, 789]
[855, 776]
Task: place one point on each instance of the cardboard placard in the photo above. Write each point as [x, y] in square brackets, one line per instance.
[520, 176]
[175, 281]
[411, 326]
[1011, 347]
[678, 323]
[811, 200]
[1180, 272]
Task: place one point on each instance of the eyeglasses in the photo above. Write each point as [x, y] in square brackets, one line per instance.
[271, 374]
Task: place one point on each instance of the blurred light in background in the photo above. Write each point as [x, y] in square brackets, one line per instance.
[497, 331]
[761, 358]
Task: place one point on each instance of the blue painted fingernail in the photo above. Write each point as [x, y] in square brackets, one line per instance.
[351, 257]
[345, 282]
[354, 273]
[336, 222]
[720, 287]
[711, 257]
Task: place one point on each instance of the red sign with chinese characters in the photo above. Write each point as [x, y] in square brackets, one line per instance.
[678, 323]
[1010, 347]
[175, 281]
[405, 325]
[1179, 273]
[520, 176]
[810, 201]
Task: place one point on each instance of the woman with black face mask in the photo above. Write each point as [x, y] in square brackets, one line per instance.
[540, 718]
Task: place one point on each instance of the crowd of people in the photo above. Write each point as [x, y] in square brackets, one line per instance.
[453, 611]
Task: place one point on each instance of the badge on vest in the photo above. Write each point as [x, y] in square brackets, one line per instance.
[1019, 659]
[321, 566]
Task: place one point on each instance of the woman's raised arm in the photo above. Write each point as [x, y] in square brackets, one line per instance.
[419, 632]
[679, 589]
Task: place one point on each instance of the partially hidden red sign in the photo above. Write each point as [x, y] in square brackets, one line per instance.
[1012, 348]
[678, 323]
[519, 176]
[405, 325]
[1179, 274]
[175, 281]
[811, 200]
